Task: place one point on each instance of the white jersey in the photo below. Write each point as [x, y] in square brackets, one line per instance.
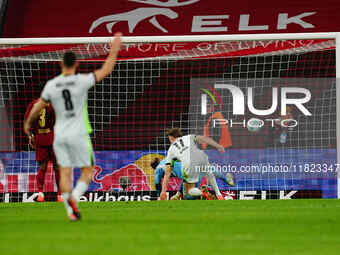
[68, 96]
[185, 149]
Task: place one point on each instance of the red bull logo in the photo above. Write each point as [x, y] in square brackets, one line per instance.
[127, 178]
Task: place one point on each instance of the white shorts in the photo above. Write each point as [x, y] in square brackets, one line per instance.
[192, 173]
[74, 151]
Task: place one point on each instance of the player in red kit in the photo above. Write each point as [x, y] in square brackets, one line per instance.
[42, 141]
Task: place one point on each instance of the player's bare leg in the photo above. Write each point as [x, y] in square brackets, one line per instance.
[78, 191]
[41, 180]
[65, 179]
[57, 180]
[65, 188]
[83, 182]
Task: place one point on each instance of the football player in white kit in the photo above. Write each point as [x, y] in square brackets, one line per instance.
[72, 145]
[194, 162]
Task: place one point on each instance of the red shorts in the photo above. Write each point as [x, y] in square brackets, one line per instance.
[44, 153]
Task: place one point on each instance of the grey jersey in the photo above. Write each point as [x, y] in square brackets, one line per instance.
[68, 96]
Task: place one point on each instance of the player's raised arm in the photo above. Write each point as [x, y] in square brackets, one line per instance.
[28, 110]
[165, 181]
[38, 106]
[167, 169]
[110, 61]
[203, 139]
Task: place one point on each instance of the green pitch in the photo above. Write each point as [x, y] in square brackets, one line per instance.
[174, 227]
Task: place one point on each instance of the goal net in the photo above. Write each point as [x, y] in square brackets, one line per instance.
[270, 102]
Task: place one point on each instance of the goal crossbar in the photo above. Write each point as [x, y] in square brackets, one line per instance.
[182, 38]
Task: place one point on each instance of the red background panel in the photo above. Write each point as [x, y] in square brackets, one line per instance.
[41, 18]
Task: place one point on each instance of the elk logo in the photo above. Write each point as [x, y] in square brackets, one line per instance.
[134, 17]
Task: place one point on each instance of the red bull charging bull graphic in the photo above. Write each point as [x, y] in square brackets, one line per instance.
[128, 178]
[127, 172]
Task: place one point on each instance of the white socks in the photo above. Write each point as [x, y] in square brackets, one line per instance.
[195, 192]
[68, 208]
[79, 190]
[212, 181]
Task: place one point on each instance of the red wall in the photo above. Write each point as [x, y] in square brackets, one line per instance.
[42, 18]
